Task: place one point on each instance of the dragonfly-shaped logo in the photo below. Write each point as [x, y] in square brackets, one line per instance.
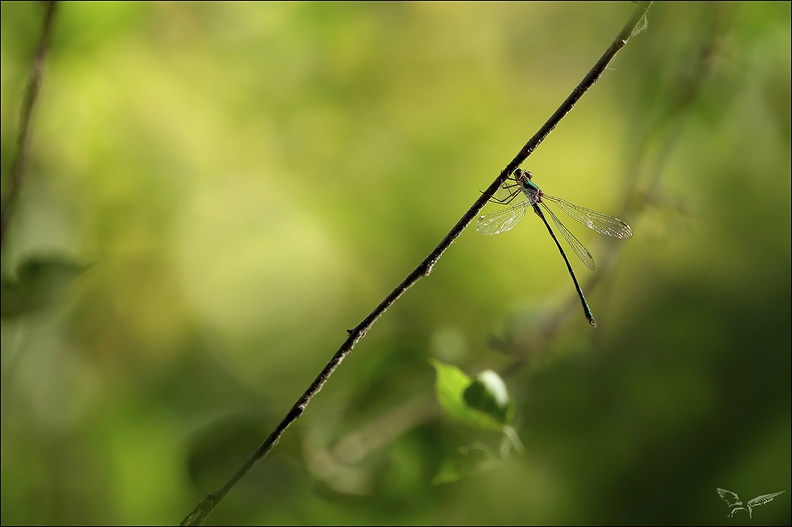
[735, 504]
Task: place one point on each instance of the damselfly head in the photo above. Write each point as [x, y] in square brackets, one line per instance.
[521, 175]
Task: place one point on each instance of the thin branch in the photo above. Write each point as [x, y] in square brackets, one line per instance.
[28, 104]
[211, 500]
[343, 456]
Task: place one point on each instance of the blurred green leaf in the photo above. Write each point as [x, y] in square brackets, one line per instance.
[39, 282]
[487, 393]
[465, 461]
[480, 403]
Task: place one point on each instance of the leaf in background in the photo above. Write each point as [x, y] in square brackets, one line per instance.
[466, 460]
[486, 412]
[39, 282]
[487, 393]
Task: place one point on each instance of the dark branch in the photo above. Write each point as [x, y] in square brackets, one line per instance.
[26, 114]
[210, 501]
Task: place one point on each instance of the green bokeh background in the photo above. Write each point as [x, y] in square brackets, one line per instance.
[248, 181]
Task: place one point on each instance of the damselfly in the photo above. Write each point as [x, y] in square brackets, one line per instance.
[532, 196]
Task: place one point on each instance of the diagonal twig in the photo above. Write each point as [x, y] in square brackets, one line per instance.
[211, 500]
[28, 105]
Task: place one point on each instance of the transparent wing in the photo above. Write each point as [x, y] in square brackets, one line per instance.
[573, 242]
[502, 220]
[596, 221]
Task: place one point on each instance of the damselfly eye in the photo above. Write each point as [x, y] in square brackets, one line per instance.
[522, 174]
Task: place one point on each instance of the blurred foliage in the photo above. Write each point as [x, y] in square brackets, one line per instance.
[481, 402]
[40, 282]
[250, 180]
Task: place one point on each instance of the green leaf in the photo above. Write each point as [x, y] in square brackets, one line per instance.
[487, 393]
[39, 282]
[463, 462]
[451, 386]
